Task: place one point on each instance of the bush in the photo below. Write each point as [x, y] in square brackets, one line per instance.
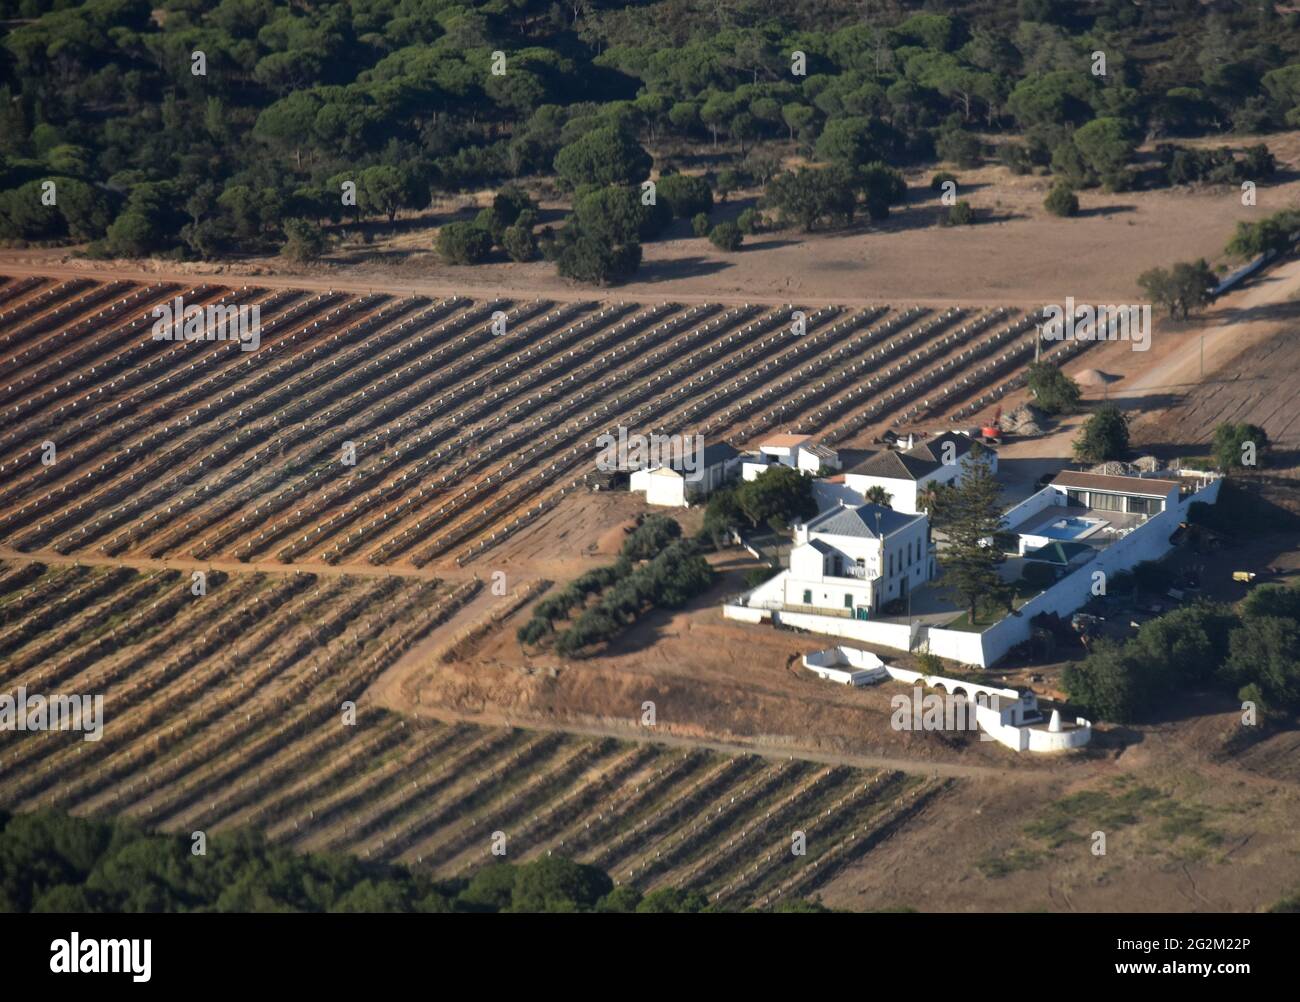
[1104, 436]
[533, 631]
[1015, 158]
[586, 258]
[940, 178]
[1061, 200]
[961, 214]
[700, 224]
[750, 222]
[304, 241]
[651, 537]
[519, 243]
[684, 195]
[464, 243]
[618, 216]
[1231, 441]
[726, 236]
[960, 147]
[1052, 389]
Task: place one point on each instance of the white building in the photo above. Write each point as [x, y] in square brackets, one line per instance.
[848, 561]
[1118, 536]
[904, 475]
[799, 452]
[676, 486]
[1009, 716]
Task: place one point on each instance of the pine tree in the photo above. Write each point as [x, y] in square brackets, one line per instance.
[972, 513]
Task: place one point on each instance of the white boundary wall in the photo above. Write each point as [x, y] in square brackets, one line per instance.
[1149, 541]
[1032, 505]
[847, 665]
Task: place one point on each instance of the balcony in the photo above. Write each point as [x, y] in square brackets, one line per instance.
[848, 571]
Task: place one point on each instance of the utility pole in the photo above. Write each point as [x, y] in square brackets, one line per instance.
[1202, 356]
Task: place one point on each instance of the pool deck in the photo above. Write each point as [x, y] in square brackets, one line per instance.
[1102, 534]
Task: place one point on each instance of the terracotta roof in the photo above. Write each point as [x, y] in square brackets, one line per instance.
[1146, 486]
[785, 441]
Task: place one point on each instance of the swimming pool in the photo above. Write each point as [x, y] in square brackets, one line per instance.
[1071, 527]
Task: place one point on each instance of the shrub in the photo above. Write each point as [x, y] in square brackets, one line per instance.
[1015, 158]
[1052, 389]
[960, 147]
[700, 224]
[726, 236]
[961, 214]
[519, 243]
[1104, 436]
[684, 195]
[304, 241]
[464, 243]
[1231, 440]
[750, 222]
[533, 631]
[589, 259]
[940, 178]
[1061, 200]
[651, 537]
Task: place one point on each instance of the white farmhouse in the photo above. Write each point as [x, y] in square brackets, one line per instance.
[799, 452]
[905, 475]
[848, 561]
[676, 486]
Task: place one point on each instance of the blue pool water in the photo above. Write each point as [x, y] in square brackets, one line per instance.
[1068, 528]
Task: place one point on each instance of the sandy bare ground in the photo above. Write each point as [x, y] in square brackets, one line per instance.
[1018, 254]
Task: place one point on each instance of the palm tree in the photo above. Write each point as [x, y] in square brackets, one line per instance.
[878, 495]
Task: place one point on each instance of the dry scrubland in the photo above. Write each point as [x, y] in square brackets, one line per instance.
[1018, 255]
[331, 582]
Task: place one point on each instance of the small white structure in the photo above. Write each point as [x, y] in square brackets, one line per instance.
[799, 452]
[1008, 716]
[676, 486]
[846, 665]
[661, 486]
[905, 475]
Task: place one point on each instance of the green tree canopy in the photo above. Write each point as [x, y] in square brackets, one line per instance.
[1103, 437]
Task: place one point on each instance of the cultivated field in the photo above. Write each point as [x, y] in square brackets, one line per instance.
[228, 710]
[369, 431]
